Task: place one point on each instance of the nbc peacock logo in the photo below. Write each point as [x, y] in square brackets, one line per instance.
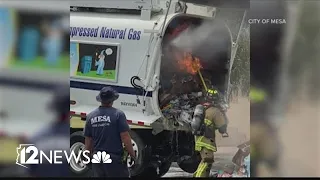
[101, 157]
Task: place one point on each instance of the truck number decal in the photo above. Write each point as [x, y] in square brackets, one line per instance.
[129, 104]
[106, 32]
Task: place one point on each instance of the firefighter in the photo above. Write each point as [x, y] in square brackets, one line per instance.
[265, 60]
[208, 118]
[105, 130]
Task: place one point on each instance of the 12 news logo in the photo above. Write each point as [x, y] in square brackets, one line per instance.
[29, 154]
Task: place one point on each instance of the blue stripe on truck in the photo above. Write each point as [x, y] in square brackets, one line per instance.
[98, 87]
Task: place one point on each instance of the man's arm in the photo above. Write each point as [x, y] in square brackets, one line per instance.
[88, 137]
[221, 122]
[126, 139]
[88, 144]
[124, 134]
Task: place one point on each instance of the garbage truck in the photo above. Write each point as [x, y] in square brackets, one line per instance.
[160, 59]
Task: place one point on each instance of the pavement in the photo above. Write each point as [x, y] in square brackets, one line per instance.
[223, 157]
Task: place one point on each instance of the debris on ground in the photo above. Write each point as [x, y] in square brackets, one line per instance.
[241, 163]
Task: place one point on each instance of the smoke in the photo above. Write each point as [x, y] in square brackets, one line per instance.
[209, 41]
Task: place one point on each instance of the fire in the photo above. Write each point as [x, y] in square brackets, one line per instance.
[188, 63]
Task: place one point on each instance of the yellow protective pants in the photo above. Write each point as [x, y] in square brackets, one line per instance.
[205, 165]
[203, 169]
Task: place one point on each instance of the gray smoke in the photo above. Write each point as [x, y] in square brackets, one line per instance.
[208, 41]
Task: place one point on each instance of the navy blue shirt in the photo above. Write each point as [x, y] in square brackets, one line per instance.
[104, 126]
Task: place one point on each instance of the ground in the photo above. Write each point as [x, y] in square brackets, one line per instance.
[222, 158]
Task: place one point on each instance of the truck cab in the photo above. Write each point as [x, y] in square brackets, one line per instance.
[147, 51]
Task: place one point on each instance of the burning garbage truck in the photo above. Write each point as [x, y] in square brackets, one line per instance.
[161, 63]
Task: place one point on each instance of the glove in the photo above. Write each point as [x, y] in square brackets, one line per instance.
[224, 135]
[223, 129]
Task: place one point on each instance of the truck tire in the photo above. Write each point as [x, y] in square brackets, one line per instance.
[164, 169]
[76, 144]
[152, 172]
[143, 155]
[190, 164]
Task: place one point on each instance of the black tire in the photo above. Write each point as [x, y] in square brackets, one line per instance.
[190, 164]
[143, 154]
[152, 172]
[77, 137]
[164, 168]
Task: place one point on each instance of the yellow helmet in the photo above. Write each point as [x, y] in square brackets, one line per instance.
[212, 93]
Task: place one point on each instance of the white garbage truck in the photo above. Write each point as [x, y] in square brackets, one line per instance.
[160, 59]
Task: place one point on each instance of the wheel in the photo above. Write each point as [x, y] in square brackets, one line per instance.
[189, 163]
[164, 168]
[152, 172]
[80, 169]
[77, 144]
[142, 155]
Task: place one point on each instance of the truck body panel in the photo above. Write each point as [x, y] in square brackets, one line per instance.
[131, 56]
[134, 56]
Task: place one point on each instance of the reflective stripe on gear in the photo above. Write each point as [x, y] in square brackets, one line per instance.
[257, 95]
[202, 170]
[200, 144]
[212, 91]
[207, 122]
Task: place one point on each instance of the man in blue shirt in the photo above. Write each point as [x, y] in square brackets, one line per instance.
[105, 130]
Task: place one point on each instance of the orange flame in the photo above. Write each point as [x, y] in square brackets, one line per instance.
[188, 63]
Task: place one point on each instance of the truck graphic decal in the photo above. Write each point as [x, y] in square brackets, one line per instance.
[32, 41]
[106, 32]
[94, 61]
